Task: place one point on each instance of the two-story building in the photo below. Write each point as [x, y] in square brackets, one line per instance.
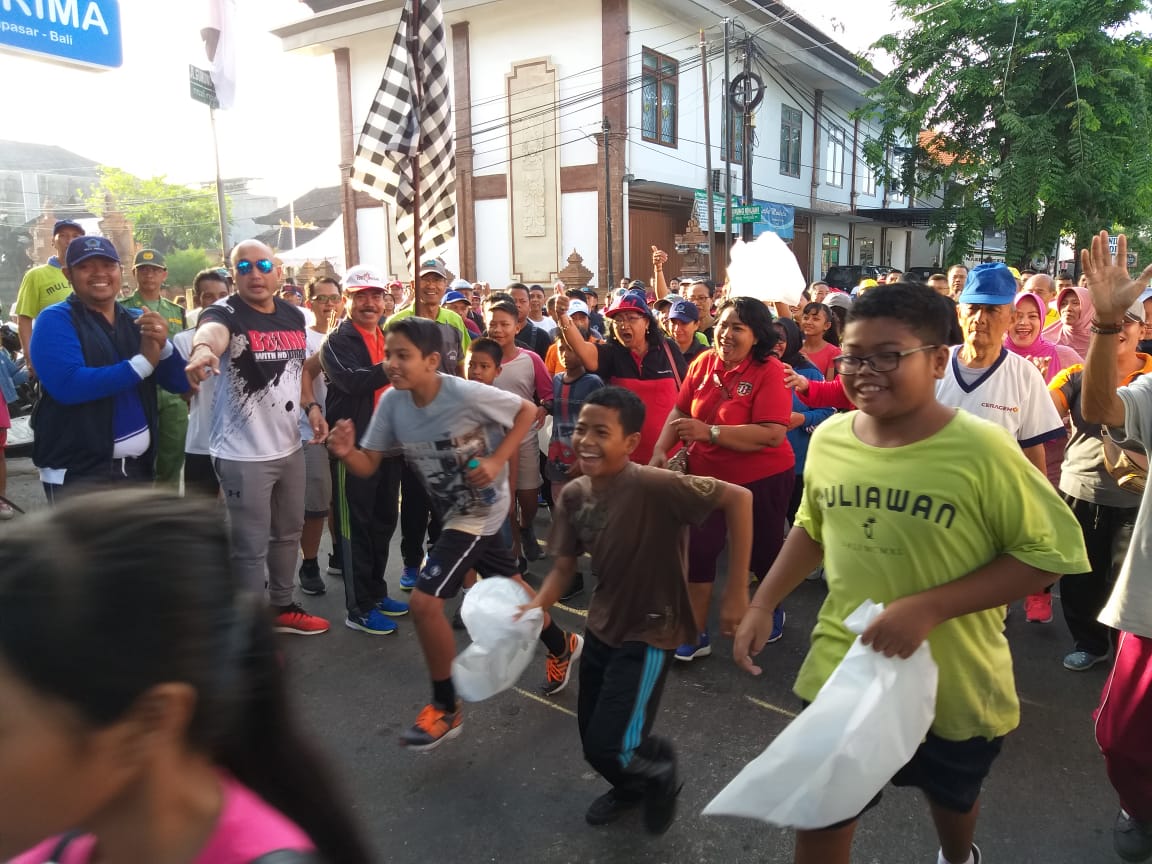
[580, 125]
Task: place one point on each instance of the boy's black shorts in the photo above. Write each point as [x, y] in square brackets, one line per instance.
[950, 773]
[455, 553]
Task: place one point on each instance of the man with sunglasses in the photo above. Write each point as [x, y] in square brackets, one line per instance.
[257, 344]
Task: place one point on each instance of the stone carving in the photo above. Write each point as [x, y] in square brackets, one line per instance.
[575, 275]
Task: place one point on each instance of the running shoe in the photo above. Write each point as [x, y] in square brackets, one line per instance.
[532, 550]
[1038, 608]
[408, 578]
[335, 566]
[778, 617]
[1082, 661]
[433, 727]
[559, 669]
[610, 806]
[693, 650]
[1132, 839]
[293, 619]
[373, 622]
[392, 608]
[576, 588]
[310, 580]
[7, 511]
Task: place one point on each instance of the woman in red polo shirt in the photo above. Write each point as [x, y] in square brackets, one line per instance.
[733, 414]
[637, 356]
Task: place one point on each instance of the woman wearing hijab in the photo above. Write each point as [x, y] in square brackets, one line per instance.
[1026, 337]
[1074, 327]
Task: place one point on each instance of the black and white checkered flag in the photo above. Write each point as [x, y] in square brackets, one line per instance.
[386, 155]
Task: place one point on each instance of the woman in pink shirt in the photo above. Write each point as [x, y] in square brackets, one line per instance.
[144, 709]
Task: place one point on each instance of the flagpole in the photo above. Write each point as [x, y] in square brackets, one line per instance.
[414, 59]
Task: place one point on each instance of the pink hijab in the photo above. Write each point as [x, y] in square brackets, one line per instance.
[1039, 349]
[1075, 336]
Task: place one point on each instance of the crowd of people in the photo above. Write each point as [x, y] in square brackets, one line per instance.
[987, 431]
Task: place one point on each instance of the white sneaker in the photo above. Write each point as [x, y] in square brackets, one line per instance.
[6, 511]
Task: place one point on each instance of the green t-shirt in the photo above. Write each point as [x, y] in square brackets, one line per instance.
[40, 288]
[173, 313]
[443, 316]
[898, 521]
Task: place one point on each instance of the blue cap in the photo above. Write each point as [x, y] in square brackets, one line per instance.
[684, 310]
[454, 297]
[989, 285]
[61, 224]
[633, 301]
[83, 248]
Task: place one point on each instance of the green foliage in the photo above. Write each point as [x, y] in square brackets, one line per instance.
[165, 216]
[184, 264]
[1045, 106]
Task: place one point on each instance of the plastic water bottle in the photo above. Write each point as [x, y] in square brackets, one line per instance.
[484, 494]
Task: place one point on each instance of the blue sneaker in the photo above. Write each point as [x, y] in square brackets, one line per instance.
[408, 578]
[374, 623]
[392, 608]
[691, 651]
[778, 617]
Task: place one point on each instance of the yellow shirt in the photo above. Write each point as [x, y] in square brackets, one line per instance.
[898, 521]
[40, 288]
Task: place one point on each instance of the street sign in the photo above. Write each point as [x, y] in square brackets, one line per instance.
[1131, 260]
[83, 32]
[202, 88]
[748, 213]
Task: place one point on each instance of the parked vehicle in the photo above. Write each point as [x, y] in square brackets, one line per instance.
[921, 274]
[848, 276]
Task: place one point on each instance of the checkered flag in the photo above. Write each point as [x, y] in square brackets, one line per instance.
[402, 127]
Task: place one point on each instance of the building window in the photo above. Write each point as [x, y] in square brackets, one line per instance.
[895, 196]
[829, 252]
[868, 186]
[867, 252]
[791, 133]
[658, 95]
[834, 160]
[733, 131]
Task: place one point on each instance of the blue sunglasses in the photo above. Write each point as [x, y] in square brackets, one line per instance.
[244, 266]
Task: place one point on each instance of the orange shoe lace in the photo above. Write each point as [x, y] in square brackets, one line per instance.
[557, 667]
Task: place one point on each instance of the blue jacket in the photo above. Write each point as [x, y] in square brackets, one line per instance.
[10, 377]
[85, 368]
[801, 436]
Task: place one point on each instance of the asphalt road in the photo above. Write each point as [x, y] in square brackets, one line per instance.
[513, 787]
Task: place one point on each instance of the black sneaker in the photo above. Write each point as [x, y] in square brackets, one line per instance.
[335, 565]
[532, 550]
[1131, 838]
[577, 587]
[310, 580]
[610, 806]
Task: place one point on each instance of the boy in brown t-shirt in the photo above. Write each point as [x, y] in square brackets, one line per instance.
[634, 520]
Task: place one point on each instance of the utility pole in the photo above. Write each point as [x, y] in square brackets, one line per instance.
[728, 133]
[747, 96]
[221, 204]
[610, 287]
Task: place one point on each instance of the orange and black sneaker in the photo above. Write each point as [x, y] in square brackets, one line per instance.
[293, 619]
[559, 667]
[433, 727]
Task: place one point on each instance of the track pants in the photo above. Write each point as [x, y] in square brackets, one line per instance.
[367, 509]
[1124, 725]
[620, 692]
[265, 502]
[171, 431]
[418, 519]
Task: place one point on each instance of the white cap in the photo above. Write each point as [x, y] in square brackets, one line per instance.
[359, 278]
[575, 306]
[460, 285]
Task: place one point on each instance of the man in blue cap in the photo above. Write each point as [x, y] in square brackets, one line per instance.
[99, 365]
[44, 285]
[986, 379]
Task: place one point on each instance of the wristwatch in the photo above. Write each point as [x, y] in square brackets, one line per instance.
[714, 434]
[308, 406]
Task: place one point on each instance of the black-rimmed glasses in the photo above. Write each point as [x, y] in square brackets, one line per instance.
[882, 361]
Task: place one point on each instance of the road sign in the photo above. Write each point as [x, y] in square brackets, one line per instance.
[202, 88]
[84, 32]
[1131, 260]
[748, 213]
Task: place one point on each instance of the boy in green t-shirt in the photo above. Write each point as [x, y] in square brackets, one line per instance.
[937, 515]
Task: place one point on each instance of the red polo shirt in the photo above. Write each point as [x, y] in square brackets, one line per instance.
[751, 393]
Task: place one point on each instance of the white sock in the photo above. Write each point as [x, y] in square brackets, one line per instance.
[971, 859]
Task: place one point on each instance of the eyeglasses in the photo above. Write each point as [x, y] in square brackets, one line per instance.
[630, 319]
[326, 298]
[244, 266]
[884, 361]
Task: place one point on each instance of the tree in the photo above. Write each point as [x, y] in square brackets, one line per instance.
[165, 216]
[1041, 112]
[184, 264]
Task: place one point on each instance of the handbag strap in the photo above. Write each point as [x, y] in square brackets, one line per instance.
[671, 362]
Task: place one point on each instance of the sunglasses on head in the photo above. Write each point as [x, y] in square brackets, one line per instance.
[244, 266]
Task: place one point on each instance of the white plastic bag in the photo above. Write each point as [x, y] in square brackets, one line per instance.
[864, 725]
[502, 647]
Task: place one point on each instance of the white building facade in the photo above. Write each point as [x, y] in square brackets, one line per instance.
[571, 113]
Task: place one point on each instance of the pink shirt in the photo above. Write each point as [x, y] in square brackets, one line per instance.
[248, 828]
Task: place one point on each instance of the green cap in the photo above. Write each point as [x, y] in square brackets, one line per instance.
[149, 258]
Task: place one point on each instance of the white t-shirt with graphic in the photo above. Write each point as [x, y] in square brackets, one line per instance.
[200, 407]
[465, 421]
[319, 385]
[256, 407]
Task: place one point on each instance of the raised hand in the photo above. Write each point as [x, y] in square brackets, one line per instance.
[1113, 290]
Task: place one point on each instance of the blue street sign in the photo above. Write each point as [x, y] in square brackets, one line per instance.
[777, 218]
[85, 32]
